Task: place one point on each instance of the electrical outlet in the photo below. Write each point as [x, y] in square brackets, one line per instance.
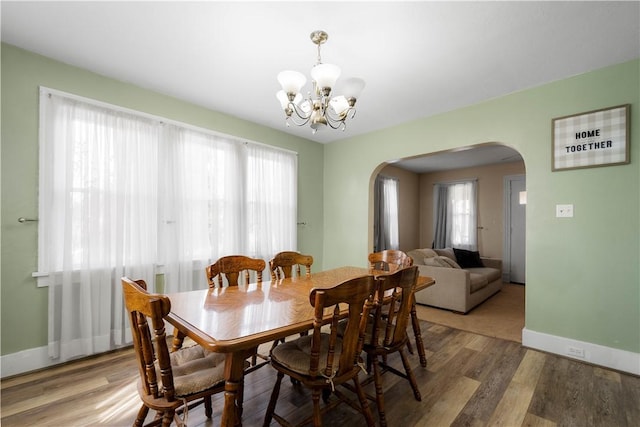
[564, 211]
[575, 352]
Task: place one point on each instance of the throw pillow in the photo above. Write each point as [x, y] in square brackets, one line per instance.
[441, 261]
[468, 259]
[428, 253]
[451, 263]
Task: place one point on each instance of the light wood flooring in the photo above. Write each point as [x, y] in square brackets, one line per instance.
[470, 380]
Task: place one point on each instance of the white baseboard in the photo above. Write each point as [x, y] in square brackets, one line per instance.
[620, 360]
[25, 361]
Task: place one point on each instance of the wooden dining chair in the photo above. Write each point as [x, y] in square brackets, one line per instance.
[322, 361]
[232, 267]
[169, 382]
[389, 260]
[388, 332]
[392, 260]
[284, 264]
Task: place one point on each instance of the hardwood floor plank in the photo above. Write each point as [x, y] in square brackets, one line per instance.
[630, 398]
[453, 343]
[52, 396]
[607, 402]
[577, 394]
[512, 408]
[543, 403]
[479, 343]
[449, 404]
[532, 421]
[495, 380]
[529, 371]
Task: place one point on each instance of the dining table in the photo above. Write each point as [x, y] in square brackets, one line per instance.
[235, 320]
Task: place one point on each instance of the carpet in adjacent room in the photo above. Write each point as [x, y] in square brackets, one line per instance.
[501, 316]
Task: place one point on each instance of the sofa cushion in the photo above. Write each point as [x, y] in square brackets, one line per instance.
[491, 274]
[448, 252]
[441, 261]
[418, 255]
[478, 281]
[468, 259]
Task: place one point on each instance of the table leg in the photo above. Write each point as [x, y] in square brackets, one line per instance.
[418, 335]
[234, 387]
[178, 339]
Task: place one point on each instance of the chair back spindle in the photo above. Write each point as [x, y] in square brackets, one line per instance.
[234, 267]
[284, 264]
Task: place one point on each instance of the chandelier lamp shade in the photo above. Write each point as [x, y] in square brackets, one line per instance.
[320, 108]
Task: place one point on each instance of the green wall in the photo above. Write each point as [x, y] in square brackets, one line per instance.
[582, 273]
[24, 306]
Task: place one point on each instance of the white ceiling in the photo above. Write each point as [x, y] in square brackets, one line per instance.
[418, 58]
[489, 154]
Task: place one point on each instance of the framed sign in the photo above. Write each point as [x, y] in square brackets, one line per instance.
[594, 138]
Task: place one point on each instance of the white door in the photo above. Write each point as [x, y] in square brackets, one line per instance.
[516, 216]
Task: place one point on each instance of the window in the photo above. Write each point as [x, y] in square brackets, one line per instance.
[385, 214]
[455, 221]
[126, 194]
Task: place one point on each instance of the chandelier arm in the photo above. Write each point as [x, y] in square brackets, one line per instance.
[335, 122]
[299, 112]
[348, 114]
[295, 121]
[297, 118]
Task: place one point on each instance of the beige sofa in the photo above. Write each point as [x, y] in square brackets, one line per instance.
[457, 288]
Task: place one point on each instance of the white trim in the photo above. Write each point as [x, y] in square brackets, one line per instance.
[44, 89]
[613, 358]
[26, 361]
[507, 182]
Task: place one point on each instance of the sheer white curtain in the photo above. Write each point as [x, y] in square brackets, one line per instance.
[270, 212]
[455, 215]
[222, 198]
[123, 194]
[202, 205]
[98, 206]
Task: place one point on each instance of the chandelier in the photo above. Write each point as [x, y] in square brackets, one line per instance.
[319, 108]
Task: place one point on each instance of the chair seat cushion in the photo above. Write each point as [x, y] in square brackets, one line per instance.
[296, 354]
[195, 369]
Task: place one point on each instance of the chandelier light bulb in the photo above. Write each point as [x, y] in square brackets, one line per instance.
[291, 81]
[325, 75]
[353, 87]
[283, 98]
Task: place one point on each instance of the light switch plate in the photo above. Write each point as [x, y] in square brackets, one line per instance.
[564, 211]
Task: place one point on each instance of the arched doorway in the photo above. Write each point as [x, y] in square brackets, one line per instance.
[488, 163]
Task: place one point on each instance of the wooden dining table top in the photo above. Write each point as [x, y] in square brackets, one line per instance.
[229, 319]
